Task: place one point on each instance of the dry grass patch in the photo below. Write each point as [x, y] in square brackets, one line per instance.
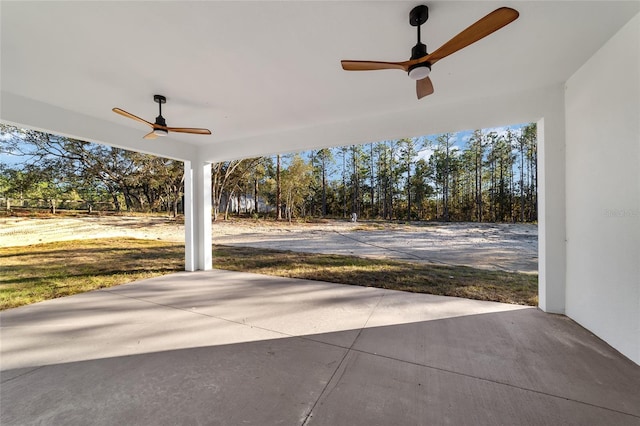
[442, 280]
[46, 271]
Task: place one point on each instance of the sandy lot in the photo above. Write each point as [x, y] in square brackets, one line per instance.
[511, 247]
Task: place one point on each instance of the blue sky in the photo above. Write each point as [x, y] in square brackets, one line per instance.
[462, 138]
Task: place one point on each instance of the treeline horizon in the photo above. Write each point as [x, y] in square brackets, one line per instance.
[492, 178]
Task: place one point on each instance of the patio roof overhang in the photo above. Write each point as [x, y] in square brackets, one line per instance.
[266, 76]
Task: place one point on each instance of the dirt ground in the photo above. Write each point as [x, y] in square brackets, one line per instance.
[510, 247]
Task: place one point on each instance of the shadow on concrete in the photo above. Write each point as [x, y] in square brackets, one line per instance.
[222, 348]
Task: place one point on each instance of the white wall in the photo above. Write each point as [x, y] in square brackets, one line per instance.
[602, 102]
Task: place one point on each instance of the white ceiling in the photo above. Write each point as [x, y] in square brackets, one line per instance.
[251, 69]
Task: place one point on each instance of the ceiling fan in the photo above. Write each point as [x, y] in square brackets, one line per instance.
[419, 66]
[160, 126]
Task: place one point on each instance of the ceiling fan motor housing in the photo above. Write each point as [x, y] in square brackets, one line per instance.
[160, 121]
[418, 51]
[422, 70]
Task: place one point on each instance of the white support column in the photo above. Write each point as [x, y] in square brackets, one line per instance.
[551, 209]
[197, 216]
[189, 244]
[203, 215]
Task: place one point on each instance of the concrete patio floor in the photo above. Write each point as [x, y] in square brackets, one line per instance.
[228, 348]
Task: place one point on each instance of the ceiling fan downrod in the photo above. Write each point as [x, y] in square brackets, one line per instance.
[418, 16]
[160, 121]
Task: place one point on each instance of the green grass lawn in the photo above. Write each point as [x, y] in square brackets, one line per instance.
[45, 271]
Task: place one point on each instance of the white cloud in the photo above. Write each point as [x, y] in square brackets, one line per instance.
[516, 130]
[6, 136]
[425, 154]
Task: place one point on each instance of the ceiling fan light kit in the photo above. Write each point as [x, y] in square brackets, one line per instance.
[419, 65]
[160, 128]
[418, 72]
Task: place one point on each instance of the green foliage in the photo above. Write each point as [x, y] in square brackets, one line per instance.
[55, 168]
[492, 178]
[296, 187]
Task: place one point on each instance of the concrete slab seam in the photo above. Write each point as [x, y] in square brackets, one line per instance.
[497, 382]
[339, 366]
[282, 333]
[26, 373]
[203, 314]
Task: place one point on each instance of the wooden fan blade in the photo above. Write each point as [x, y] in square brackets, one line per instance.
[374, 65]
[189, 130]
[129, 115]
[150, 135]
[424, 87]
[482, 28]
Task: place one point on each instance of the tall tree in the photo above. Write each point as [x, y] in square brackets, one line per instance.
[278, 190]
[407, 153]
[357, 177]
[221, 181]
[476, 145]
[344, 150]
[529, 134]
[445, 142]
[422, 190]
[324, 157]
[295, 182]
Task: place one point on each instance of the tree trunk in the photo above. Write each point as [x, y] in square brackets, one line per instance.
[116, 202]
[372, 213]
[354, 181]
[445, 188]
[324, 187]
[344, 182]
[408, 189]
[522, 180]
[226, 209]
[278, 190]
[478, 167]
[255, 195]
